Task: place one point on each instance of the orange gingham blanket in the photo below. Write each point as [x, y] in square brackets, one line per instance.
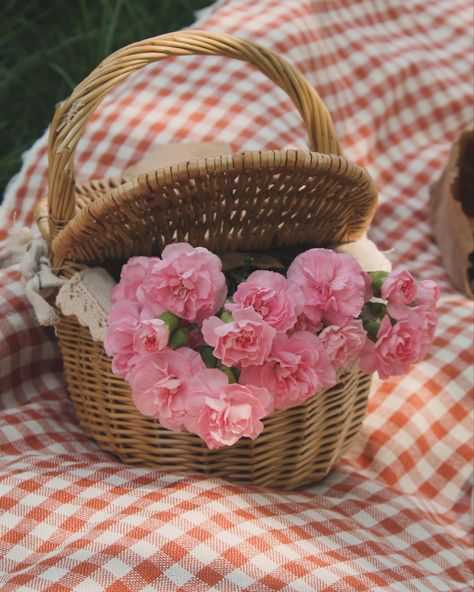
[395, 514]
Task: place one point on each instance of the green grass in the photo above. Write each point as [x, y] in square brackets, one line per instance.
[46, 48]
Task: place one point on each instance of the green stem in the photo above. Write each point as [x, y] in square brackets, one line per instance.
[378, 278]
[228, 371]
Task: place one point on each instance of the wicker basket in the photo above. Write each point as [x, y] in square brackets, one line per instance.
[247, 201]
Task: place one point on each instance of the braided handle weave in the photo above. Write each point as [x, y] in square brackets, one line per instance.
[73, 114]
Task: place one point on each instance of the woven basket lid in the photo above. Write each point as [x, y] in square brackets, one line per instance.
[244, 201]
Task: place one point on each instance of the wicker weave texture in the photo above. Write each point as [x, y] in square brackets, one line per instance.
[248, 201]
[245, 201]
[297, 446]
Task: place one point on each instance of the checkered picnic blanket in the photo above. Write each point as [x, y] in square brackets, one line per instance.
[395, 514]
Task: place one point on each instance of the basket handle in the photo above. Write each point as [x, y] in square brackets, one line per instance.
[72, 115]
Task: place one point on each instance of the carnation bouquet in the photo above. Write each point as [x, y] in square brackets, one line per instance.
[213, 350]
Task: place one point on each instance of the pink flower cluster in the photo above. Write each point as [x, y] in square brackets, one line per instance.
[200, 361]
[406, 331]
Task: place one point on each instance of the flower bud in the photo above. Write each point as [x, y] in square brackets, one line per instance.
[179, 338]
[372, 328]
[171, 320]
[226, 317]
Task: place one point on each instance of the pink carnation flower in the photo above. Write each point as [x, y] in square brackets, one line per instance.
[222, 413]
[401, 290]
[186, 281]
[131, 280]
[423, 312]
[397, 347]
[399, 287]
[246, 340]
[271, 296]
[123, 321]
[333, 285]
[159, 385]
[296, 369]
[343, 344]
[429, 322]
[151, 336]
[427, 294]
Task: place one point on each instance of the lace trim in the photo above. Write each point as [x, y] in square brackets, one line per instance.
[87, 296]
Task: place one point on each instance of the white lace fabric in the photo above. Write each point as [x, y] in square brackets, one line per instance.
[87, 296]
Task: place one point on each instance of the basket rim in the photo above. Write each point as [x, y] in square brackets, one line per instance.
[330, 165]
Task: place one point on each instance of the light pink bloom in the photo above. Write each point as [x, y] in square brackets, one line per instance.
[272, 296]
[428, 322]
[397, 347]
[186, 281]
[244, 341]
[123, 320]
[159, 385]
[427, 294]
[333, 285]
[222, 413]
[400, 289]
[423, 312]
[151, 336]
[296, 369]
[131, 279]
[343, 344]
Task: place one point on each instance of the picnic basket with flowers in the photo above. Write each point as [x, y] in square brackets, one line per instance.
[238, 343]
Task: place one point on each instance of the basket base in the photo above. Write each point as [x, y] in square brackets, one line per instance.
[298, 446]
